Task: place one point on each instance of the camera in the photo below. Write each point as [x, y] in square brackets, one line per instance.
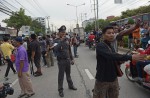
[6, 90]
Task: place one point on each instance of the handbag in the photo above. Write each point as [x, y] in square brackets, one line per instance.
[117, 64]
[118, 69]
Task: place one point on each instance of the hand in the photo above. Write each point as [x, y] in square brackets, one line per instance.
[19, 74]
[46, 54]
[32, 58]
[1, 86]
[138, 23]
[72, 62]
[139, 57]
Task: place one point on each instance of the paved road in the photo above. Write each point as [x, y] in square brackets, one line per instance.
[83, 73]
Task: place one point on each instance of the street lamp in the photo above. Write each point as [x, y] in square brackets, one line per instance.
[76, 6]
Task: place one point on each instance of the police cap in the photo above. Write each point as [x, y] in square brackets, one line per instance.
[62, 28]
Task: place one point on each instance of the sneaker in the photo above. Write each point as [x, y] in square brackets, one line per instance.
[38, 74]
[61, 94]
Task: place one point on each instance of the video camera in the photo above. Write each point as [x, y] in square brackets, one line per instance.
[6, 90]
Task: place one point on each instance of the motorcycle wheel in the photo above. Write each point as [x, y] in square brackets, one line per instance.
[128, 74]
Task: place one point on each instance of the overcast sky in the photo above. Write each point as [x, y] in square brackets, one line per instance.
[62, 14]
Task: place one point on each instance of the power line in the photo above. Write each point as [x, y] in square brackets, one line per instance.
[24, 7]
[106, 10]
[118, 9]
[3, 5]
[30, 2]
[10, 4]
[38, 5]
[5, 11]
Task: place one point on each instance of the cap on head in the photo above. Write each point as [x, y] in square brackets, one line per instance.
[19, 39]
[62, 28]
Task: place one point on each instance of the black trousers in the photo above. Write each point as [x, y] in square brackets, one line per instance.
[10, 65]
[44, 58]
[64, 66]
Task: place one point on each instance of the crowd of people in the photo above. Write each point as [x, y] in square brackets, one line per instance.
[26, 52]
[30, 50]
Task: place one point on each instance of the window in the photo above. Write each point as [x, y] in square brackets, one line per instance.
[145, 17]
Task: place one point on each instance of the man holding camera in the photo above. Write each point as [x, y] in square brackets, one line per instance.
[65, 59]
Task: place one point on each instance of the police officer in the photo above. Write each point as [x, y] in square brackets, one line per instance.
[65, 59]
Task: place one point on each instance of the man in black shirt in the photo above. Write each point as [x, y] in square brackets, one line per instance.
[106, 75]
[36, 54]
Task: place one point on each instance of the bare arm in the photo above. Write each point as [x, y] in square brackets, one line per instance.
[33, 54]
[130, 30]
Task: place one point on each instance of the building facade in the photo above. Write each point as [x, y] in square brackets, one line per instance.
[42, 20]
[86, 22]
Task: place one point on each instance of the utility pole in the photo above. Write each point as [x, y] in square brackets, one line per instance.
[81, 17]
[52, 27]
[85, 16]
[95, 14]
[48, 17]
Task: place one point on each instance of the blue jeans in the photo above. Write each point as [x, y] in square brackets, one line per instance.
[75, 50]
[140, 65]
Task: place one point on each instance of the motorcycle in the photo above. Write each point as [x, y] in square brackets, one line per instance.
[93, 44]
[131, 72]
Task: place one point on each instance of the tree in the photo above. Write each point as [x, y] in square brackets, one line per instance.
[103, 23]
[18, 19]
[37, 27]
[88, 28]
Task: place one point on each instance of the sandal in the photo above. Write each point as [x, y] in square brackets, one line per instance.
[29, 95]
[21, 95]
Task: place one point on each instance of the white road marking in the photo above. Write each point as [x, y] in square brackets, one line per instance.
[89, 74]
[14, 83]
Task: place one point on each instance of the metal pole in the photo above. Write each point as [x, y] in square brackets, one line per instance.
[77, 14]
[97, 15]
[48, 24]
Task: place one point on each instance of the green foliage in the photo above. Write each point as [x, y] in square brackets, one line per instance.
[88, 28]
[115, 18]
[18, 19]
[103, 23]
[91, 26]
[37, 27]
[133, 12]
[125, 40]
[130, 21]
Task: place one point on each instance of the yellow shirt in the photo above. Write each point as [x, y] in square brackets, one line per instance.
[6, 48]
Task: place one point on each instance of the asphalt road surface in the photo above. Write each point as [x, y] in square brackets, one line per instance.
[83, 73]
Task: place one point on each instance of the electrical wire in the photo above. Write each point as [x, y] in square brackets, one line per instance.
[38, 5]
[24, 7]
[106, 10]
[10, 5]
[3, 5]
[5, 11]
[30, 2]
[118, 9]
